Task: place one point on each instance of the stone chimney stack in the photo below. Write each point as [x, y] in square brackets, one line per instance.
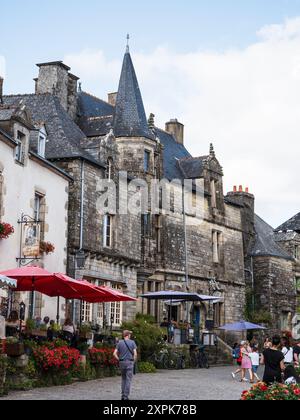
[1, 90]
[175, 128]
[246, 201]
[55, 79]
[112, 98]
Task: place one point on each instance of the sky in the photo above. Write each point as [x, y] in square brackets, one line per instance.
[228, 69]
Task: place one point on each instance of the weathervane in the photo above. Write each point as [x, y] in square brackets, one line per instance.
[127, 47]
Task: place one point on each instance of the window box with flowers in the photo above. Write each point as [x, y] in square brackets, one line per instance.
[6, 230]
[46, 248]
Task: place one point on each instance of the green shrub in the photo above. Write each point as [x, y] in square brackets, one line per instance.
[146, 367]
[149, 337]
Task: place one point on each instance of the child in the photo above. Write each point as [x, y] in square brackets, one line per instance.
[254, 356]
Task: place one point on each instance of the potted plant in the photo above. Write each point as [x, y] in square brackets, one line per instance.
[46, 248]
[14, 348]
[6, 230]
[40, 332]
[85, 331]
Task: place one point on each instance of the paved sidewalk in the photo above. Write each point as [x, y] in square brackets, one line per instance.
[212, 384]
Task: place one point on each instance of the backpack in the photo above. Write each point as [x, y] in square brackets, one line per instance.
[236, 354]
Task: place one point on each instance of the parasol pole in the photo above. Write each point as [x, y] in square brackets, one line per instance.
[57, 314]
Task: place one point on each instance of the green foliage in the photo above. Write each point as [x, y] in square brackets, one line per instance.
[146, 367]
[147, 318]
[12, 340]
[30, 324]
[85, 328]
[253, 313]
[148, 336]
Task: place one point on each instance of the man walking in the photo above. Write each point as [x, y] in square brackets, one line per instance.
[126, 353]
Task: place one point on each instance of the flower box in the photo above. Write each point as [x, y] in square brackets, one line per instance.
[15, 349]
[39, 333]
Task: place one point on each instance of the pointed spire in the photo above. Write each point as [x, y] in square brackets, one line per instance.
[130, 118]
[212, 150]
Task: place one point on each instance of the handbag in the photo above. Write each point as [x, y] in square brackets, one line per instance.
[135, 363]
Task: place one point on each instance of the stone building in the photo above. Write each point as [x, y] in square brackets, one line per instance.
[33, 200]
[214, 254]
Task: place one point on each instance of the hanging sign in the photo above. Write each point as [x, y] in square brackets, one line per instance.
[31, 240]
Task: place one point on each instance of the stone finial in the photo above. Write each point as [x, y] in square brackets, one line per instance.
[127, 46]
[151, 121]
[212, 150]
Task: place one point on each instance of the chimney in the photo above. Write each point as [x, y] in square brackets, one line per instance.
[1, 90]
[176, 129]
[112, 98]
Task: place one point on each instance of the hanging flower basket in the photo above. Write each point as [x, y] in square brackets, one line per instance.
[46, 248]
[6, 230]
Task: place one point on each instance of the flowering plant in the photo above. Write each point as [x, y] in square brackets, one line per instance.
[103, 357]
[262, 392]
[6, 230]
[46, 248]
[56, 359]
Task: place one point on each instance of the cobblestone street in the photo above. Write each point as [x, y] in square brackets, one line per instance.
[213, 384]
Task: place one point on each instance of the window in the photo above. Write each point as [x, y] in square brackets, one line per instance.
[213, 194]
[116, 309]
[297, 284]
[297, 252]
[37, 206]
[20, 149]
[216, 243]
[107, 231]
[86, 312]
[147, 158]
[109, 170]
[146, 224]
[42, 143]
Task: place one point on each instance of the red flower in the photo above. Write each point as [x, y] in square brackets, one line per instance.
[6, 230]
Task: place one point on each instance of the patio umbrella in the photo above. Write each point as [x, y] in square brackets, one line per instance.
[7, 282]
[116, 296]
[242, 326]
[176, 296]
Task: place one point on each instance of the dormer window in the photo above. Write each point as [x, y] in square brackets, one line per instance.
[20, 148]
[42, 143]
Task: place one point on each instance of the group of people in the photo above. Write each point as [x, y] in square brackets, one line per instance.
[279, 358]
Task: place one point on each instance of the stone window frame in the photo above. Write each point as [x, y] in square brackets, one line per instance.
[105, 234]
[217, 246]
[147, 160]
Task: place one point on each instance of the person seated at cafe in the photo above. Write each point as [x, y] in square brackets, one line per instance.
[46, 321]
[50, 331]
[69, 331]
[12, 324]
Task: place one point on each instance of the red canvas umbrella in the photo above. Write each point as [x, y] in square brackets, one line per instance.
[112, 295]
[27, 277]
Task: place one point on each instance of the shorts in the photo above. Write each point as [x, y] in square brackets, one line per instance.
[255, 369]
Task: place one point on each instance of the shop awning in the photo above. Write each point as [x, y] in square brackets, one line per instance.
[7, 282]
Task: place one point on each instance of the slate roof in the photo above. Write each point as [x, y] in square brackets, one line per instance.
[193, 167]
[265, 244]
[172, 152]
[6, 113]
[64, 136]
[91, 106]
[130, 117]
[291, 225]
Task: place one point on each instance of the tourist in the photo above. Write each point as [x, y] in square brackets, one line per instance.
[237, 356]
[290, 376]
[267, 343]
[255, 360]
[246, 361]
[126, 353]
[273, 359]
[296, 350]
[46, 321]
[12, 324]
[287, 351]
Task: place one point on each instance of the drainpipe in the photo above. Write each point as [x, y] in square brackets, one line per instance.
[81, 205]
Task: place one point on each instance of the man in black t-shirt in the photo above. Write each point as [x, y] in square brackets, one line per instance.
[273, 359]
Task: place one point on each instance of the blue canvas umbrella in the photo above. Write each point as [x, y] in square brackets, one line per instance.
[242, 326]
[179, 296]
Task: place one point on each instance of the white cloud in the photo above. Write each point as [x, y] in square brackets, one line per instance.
[246, 101]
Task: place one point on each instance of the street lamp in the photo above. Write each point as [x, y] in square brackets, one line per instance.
[80, 259]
